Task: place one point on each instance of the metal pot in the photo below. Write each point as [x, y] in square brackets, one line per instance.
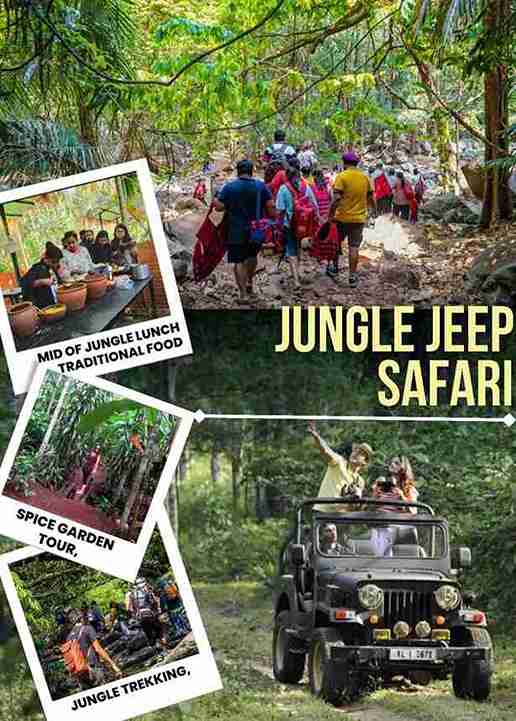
[140, 271]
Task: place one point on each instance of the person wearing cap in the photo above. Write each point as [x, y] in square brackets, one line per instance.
[343, 474]
[244, 199]
[353, 194]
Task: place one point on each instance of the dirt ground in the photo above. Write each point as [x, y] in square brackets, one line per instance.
[47, 500]
[399, 263]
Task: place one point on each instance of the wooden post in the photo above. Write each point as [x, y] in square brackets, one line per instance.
[121, 199]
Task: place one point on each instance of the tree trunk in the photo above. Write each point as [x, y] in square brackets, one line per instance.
[87, 124]
[497, 203]
[55, 417]
[143, 466]
[216, 452]
[121, 199]
[173, 504]
[237, 457]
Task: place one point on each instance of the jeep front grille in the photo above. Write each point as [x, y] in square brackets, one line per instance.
[409, 606]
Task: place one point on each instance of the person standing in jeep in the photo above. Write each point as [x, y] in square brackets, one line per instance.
[244, 199]
[343, 475]
[83, 654]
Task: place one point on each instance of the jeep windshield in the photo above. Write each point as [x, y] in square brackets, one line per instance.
[383, 538]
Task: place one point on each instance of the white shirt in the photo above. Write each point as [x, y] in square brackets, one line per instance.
[78, 262]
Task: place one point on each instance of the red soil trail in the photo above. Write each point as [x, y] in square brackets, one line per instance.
[48, 500]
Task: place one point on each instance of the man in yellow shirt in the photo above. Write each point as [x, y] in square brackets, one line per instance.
[353, 193]
[342, 476]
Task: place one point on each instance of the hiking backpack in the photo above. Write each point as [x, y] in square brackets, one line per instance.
[323, 197]
[142, 603]
[73, 657]
[171, 592]
[304, 217]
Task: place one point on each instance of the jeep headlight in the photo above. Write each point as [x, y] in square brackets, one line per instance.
[370, 596]
[447, 597]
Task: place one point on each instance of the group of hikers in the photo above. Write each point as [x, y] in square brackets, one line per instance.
[80, 253]
[144, 607]
[300, 205]
[344, 478]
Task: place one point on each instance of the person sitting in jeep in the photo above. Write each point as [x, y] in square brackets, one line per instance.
[328, 544]
[383, 537]
[342, 477]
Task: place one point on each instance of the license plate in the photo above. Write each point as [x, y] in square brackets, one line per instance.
[413, 654]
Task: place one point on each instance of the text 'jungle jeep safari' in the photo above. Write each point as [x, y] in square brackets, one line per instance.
[369, 595]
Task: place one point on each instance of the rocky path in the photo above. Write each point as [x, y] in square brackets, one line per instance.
[399, 263]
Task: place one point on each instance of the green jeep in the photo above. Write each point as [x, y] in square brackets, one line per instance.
[374, 593]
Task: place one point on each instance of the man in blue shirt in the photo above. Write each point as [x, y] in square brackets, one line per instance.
[244, 199]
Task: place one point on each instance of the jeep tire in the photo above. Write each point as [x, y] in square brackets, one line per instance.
[472, 679]
[330, 681]
[288, 662]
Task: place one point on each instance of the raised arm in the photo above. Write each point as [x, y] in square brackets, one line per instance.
[321, 444]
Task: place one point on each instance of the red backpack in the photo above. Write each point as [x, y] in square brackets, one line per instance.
[304, 222]
[73, 657]
[382, 189]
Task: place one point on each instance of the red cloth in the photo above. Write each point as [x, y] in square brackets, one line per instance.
[279, 179]
[304, 223]
[382, 189]
[325, 245]
[209, 249]
[323, 198]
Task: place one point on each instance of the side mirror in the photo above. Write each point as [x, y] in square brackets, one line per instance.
[296, 554]
[461, 557]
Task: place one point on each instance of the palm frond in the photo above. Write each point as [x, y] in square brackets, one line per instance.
[34, 149]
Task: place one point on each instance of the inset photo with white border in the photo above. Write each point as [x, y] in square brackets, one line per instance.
[87, 468]
[96, 643]
[86, 276]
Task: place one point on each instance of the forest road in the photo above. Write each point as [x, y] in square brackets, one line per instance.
[239, 623]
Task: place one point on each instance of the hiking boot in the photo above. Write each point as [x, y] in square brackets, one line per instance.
[353, 280]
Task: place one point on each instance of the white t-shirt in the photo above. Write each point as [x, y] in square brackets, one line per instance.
[78, 262]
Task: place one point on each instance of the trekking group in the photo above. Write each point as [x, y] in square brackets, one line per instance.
[300, 206]
[153, 613]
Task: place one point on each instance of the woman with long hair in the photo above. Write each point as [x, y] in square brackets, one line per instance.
[124, 247]
[401, 470]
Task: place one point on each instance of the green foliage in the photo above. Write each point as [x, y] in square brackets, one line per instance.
[105, 412]
[31, 607]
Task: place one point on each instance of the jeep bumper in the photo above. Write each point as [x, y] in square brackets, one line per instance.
[380, 656]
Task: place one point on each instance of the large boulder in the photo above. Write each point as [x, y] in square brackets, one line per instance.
[493, 273]
[451, 209]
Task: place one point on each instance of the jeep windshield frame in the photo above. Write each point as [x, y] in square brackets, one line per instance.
[364, 563]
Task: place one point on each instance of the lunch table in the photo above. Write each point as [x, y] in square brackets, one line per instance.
[96, 316]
